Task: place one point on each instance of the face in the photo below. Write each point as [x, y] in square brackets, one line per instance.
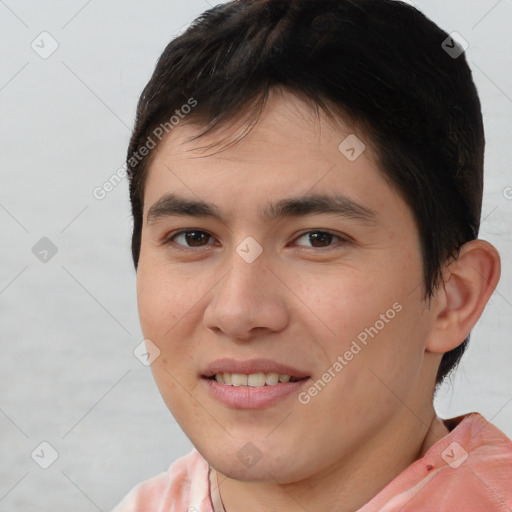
[256, 287]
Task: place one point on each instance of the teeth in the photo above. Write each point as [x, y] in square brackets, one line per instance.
[239, 379]
[271, 379]
[255, 380]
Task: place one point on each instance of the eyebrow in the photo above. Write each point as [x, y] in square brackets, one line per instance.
[171, 205]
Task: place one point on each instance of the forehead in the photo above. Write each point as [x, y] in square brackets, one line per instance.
[291, 151]
[287, 120]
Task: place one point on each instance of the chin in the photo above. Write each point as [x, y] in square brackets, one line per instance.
[249, 465]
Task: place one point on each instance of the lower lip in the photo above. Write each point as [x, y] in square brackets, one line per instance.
[247, 397]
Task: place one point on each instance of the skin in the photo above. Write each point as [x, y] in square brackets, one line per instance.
[302, 305]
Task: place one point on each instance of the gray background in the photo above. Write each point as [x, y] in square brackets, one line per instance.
[69, 325]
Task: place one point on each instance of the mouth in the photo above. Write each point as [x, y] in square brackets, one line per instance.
[252, 383]
[252, 372]
[254, 380]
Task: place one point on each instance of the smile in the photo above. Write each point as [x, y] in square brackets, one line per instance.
[255, 380]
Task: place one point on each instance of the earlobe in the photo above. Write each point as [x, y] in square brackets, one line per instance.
[468, 283]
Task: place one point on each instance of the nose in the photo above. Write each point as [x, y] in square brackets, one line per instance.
[249, 301]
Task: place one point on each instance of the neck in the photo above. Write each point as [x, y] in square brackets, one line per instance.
[348, 485]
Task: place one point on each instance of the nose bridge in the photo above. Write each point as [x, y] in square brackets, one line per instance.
[247, 297]
[248, 263]
[245, 282]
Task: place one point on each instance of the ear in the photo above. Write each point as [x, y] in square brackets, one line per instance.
[468, 282]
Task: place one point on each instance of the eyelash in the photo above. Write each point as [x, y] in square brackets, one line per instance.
[168, 240]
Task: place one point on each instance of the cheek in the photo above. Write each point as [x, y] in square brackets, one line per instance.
[176, 386]
[166, 312]
[151, 302]
[161, 298]
[341, 303]
[369, 318]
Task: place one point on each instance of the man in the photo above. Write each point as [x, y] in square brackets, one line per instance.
[306, 186]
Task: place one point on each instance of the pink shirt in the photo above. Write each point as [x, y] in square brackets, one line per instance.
[468, 470]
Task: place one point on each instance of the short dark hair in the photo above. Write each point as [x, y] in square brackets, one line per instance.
[381, 64]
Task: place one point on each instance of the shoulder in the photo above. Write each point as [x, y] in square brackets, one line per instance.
[472, 466]
[469, 469]
[480, 443]
[183, 487]
[485, 453]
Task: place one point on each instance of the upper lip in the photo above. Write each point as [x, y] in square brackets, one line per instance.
[249, 366]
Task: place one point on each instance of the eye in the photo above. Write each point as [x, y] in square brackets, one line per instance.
[321, 239]
[190, 237]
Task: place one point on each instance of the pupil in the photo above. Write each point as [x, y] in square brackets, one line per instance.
[314, 237]
[193, 236]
